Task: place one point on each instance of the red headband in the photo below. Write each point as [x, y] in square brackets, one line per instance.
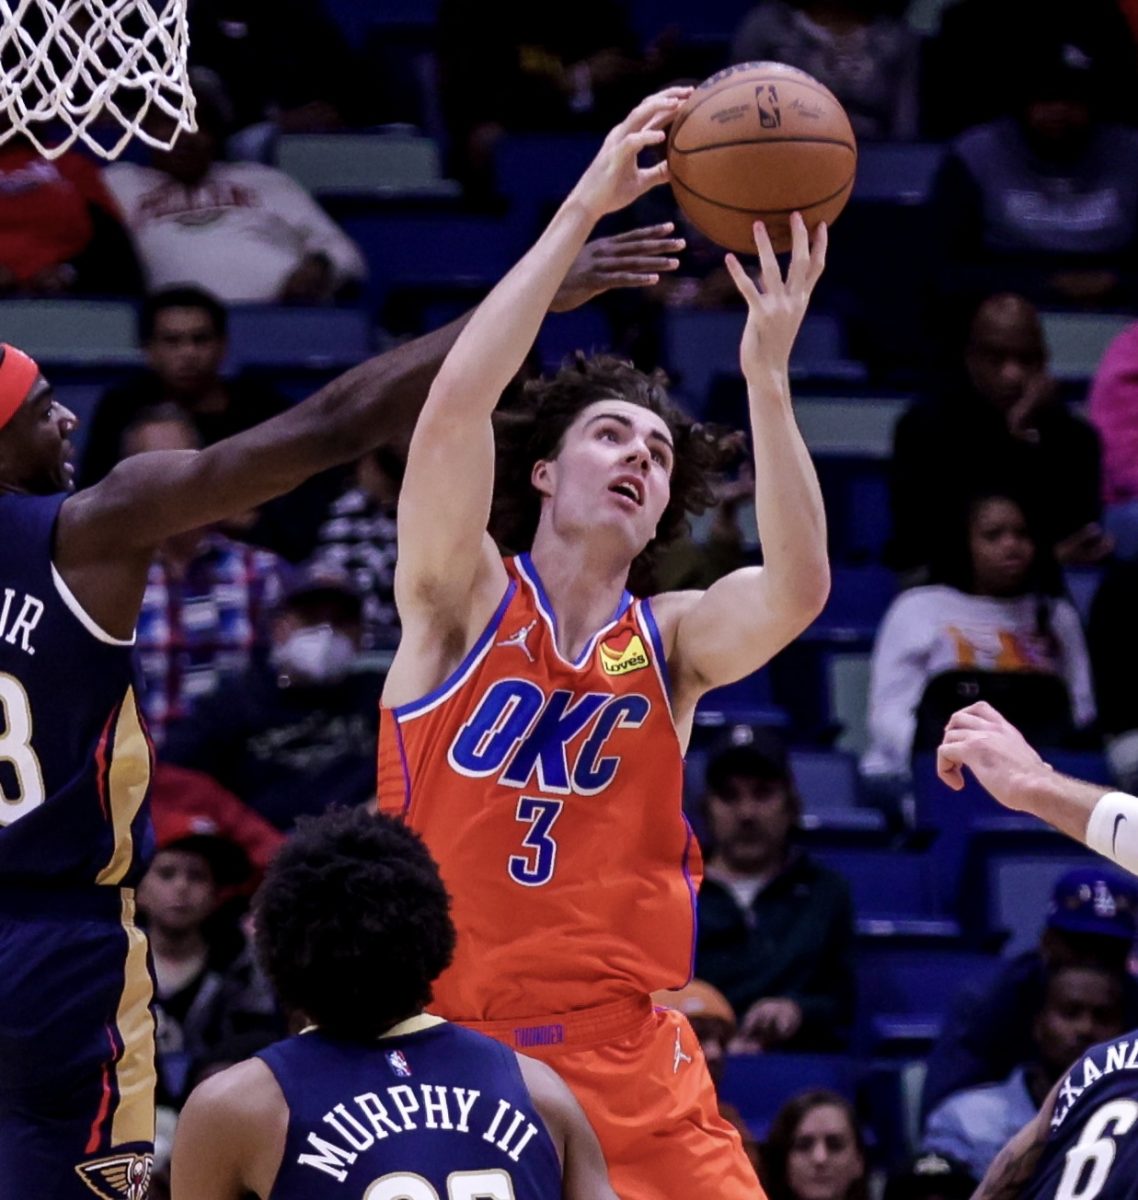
[18, 373]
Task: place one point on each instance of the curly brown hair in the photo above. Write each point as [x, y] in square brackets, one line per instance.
[531, 427]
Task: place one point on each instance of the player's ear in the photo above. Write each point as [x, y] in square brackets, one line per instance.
[543, 476]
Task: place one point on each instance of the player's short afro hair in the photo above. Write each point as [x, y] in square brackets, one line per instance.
[353, 923]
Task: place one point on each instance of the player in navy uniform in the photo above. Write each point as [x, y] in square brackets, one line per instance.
[76, 1032]
[375, 1098]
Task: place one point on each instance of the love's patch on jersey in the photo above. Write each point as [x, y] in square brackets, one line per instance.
[621, 653]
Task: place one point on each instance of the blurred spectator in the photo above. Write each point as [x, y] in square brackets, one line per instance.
[990, 611]
[181, 794]
[814, 1150]
[1091, 921]
[1082, 1006]
[713, 1021]
[775, 928]
[183, 333]
[862, 50]
[295, 733]
[358, 535]
[1112, 635]
[246, 232]
[1043, 201]
[285, 69]
[930, 1176]
[61, 231]
[207, 598]
[1113, 410]
[997, 424]
[504, 67]
[207, 986]
[988, 41]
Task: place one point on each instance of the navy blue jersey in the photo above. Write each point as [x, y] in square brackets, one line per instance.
[1092, 1149]
[75, 761]
[437, 1112]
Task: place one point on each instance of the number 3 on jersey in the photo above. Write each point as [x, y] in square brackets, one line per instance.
[16, 753]
[535, 868]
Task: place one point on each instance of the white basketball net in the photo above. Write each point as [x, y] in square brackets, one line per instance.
[83, 67]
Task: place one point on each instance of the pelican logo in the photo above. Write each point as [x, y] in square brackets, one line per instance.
[766, 97]
[120, 1177]
[622, 653]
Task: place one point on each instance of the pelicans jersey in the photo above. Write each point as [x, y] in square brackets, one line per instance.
[76, 1032]
[1092, 1149]
[549, 792]
[429, 1111]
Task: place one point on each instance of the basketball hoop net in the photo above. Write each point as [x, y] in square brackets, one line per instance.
[80, 66]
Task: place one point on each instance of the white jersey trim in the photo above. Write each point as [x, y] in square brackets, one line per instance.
[83, 617]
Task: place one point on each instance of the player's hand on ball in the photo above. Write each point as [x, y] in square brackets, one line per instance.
[615, 178]
[634, 259]
[776, 306]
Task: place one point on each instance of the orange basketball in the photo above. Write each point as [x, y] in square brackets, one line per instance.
[760, 140]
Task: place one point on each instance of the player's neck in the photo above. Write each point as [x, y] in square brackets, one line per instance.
[583, 586]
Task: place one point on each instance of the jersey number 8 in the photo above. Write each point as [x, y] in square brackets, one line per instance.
[16, 750]
[461, 1185]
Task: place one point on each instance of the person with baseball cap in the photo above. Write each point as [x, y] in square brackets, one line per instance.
[1091, 920]
[775, 927]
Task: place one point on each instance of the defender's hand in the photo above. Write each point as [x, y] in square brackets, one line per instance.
[776, 306]
[634, 259]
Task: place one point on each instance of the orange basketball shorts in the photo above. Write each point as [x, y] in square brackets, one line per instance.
[640, 1076]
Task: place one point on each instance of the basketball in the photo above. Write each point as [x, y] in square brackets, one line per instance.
[759, 141]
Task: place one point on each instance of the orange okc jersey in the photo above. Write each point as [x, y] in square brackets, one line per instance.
[550, 794]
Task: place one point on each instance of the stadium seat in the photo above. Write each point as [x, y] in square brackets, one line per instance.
[896, 172]
[826, 779]
[847, 676]
[861, 426]
[759, 1084]
[858, 599]
[1077, 341]
[275, 336]
[562, 334]
[750, 701]
[886, 883]
[72, 331]
[535, 172]
[1082, 583]
[379, 164]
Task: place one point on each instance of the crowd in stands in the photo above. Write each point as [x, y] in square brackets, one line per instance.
[990, 547]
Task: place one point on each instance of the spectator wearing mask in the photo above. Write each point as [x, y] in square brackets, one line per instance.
[296, 732]
[245, 232]
[61, 231]
[775, 927]
[1090, 921]
[1082, 1006]
[996, 424]
[862, 50]
[205, 609]
[991, 613]
[815, 1150]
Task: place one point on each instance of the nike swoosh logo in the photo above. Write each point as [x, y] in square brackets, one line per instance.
[1114, 839]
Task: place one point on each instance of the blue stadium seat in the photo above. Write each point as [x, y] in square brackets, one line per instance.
[759, 1084]
[1077, 341]
[896, 172]
[535, 172]
[886, 883]
[275, 336]
[400, 163]
[858, 599]
[82, 332]
[827, 780]
[562, 334]
[750, 701]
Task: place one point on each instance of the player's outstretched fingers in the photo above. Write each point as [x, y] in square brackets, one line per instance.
[742, 280]
[798, 273]
[818, 252]
[770, 277]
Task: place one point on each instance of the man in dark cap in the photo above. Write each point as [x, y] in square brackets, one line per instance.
[775, 928]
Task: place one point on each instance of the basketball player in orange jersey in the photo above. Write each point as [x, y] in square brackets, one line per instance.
[535, 717]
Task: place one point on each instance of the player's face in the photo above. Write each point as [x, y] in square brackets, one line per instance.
[1002, 549]
[178, 892]
[613, 469]
[824, 1159]
[1005, 353]
[1083, 1006]
[185, 350]
[35, 445]
[751, 822]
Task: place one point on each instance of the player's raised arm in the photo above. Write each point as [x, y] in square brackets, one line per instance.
[745, 618]
[994, 750]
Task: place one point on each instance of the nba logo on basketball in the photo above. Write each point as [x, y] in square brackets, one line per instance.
[766, 97]
[621, 653]
[399, 1064]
